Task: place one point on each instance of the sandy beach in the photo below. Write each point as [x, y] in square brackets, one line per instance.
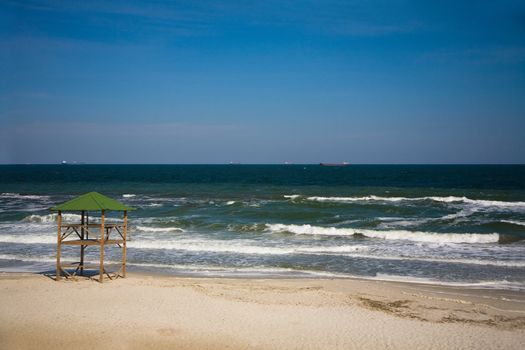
[297, 175]
[155, 312]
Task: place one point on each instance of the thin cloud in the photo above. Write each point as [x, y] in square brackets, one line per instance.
[208, 18]
[481, 56]
[140, 20]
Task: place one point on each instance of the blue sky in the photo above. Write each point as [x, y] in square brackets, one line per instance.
[262, 81]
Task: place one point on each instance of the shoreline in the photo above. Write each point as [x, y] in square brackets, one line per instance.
[238, 273]
[154, 311]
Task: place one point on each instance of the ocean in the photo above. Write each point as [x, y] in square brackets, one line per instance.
[459, 225]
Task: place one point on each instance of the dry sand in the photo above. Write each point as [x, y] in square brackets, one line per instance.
[158, 312]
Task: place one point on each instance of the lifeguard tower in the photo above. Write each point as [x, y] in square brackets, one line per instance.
[85, 235]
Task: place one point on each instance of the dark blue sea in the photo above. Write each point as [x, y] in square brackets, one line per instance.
[450, 224]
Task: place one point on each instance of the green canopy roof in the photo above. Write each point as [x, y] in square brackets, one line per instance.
[92, 201]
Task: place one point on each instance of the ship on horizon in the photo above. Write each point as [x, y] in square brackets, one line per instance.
[335, 164]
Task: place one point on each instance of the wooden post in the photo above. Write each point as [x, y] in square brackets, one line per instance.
[102, 239]
[124, 244]
[82, 247]
[59, 241]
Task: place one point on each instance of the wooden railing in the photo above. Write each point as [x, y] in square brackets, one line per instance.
[94, 234]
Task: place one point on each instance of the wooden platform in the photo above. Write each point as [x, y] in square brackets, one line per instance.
[83, 235]
[92, 241]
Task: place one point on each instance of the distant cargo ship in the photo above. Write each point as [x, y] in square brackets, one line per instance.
[335, 164]
[64, 162]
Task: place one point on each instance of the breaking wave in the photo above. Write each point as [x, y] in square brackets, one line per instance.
[431, 237]
[51, 218]
[158, 229]
[22, 196]
[291, 196]
[514, 222]
[29, 239]
[448, 199]
[500, 263]
[240, 248]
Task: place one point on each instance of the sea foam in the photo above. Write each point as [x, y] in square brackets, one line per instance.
[495, 284]
[22, 196]
[239, 247]
[291, 196]
[448, 199]
[158, 229]
[433, 237]
[29, 239]
[51, 218]
[210, 270]
[514, 222]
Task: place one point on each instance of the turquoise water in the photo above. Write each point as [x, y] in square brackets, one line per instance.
[461, 225]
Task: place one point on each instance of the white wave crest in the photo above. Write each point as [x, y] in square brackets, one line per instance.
[51, 218]
[154, 205]
[29, 239]
[22, 196]
[240, 247]
[206, 246]
[404, 223]
[448, 199]
[355, 251]
[514, 222]
[464, 261]
[291, 196]
[158, 229]
[27, 258]
[340, 249]
[128, 195]
[460, 215]
[230, 202]
[433, 237]
[357, 199]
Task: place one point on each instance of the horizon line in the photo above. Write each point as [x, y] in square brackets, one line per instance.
[231, 164]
